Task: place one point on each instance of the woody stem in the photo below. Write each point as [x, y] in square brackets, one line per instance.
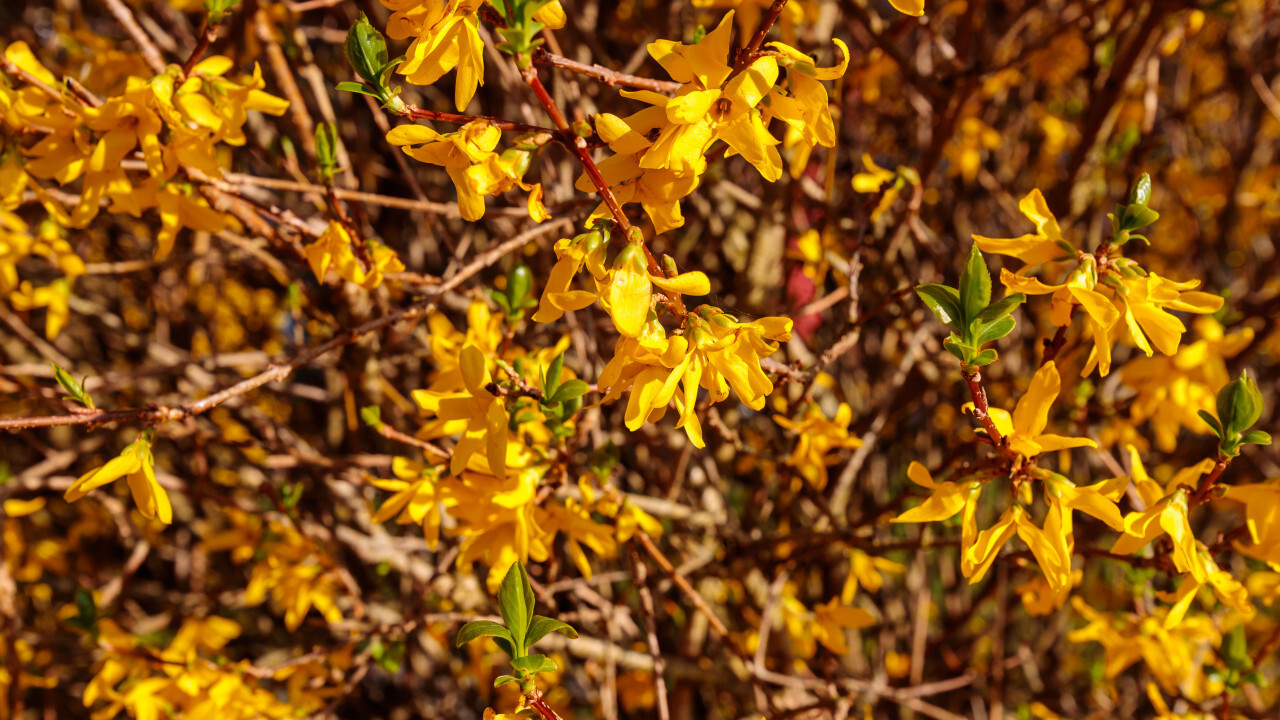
[747, 54]
[208, 33]
[579, 147]
[416, 113]
[1205, 488]
[981, 411]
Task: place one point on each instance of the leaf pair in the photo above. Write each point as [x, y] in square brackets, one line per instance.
[968, 311]
[520, 628]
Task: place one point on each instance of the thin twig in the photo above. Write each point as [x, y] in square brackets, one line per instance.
[609, 77]
[150, 53]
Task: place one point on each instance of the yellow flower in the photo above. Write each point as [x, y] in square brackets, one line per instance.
[587, 249]
[498, 522]
[1225, 587]
[1024, 429]
[944, 502]
[1166, 513]
[1045, 245]
[456, 152]
[817, 438]
[806, 109]
[1172, 390]
[1146, 302]
[866, 571]
[137, 465]
[53, 297]
[658, 191]
[334, 247]
[1102, 316]
[419, 496]
[1262, 517]
[832, 618]
[711, 106]
[482, 411]
[876, 178]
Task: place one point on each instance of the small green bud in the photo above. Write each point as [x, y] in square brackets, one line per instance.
[519, 282]
[1239, 405]
[1141, 193]
[327, 151]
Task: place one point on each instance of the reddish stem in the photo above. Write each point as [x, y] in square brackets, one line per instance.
[747, 54]
[417, 113]
[1207, 483]
[208, 33]
[981, 411]
[605, 75]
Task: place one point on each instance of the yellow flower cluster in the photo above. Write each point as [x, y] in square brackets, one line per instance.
[1119, 298]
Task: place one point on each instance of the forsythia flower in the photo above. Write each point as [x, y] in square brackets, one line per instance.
[498, 521]
[419, 496]
[137, 465]
[806, 110]
[714, 351]
[334, 247]
[1262, 517]
[1024, 429]
[817, 437]
[658, 191]
[1102, 316]
[1166, 513]
[446, 35]
[1227, 588]
[832, 618]
[482, 411]
[711, 105]
[1045, 245]
[467, 156]
[1172, 390]
[866, 571]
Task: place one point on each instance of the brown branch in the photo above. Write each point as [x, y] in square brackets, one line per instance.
[612, 78]
[683, 583]
[208, 33]
[277, 373]
[640, 575]
[981, 411]
[150, 53]
[417, 113]
[1207, 483]
[747, 54]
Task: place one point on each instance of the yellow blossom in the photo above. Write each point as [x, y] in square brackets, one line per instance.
[136, 464]
[334, 247]
[1045, 245]
[817, 438]
[1024, 428]
[456, 152]
[482, 411]
[711, 105]
[1166, 513]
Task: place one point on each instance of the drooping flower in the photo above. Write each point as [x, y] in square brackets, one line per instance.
[482, 411]
[1166, 513]
[136, 464]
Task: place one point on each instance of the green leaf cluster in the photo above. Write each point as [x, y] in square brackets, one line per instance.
[520, 36]
[968, 311]
[1239, 408]
[216, 10]
[519, 630]
[1133, 215]
[367, 53]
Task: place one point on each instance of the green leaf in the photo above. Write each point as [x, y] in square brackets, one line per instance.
[355, 87]
[327, 151]
[1137, 216]
[570, 390]
[481, 628]
[74, 389]
[1212, 422]
[552, 382]
[1256, 437]
[986, 357]
[1141, 190]
[503, 680]
[366, 51]
[372, 416]
[944, 302]
[953, 346]
[515, 601]
[994, 330]
[519, 281]
[501, 300]
[975, 285]
[533, 664]
[542, 625]
[1002, 308]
